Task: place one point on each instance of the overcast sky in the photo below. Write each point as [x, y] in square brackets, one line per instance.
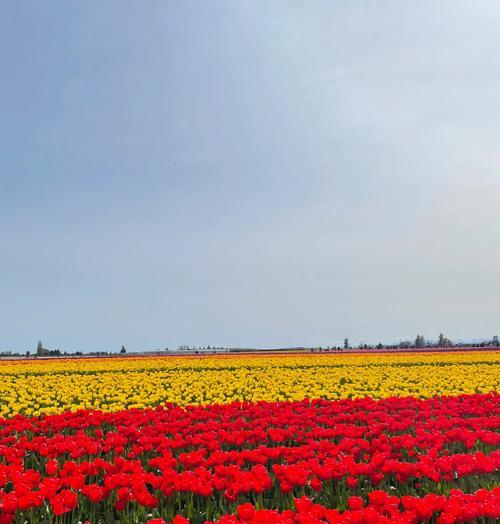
[248, 173]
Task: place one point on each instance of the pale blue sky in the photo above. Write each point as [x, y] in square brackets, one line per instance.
[248, 173]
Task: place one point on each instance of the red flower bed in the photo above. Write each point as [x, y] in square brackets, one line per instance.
[357, 461]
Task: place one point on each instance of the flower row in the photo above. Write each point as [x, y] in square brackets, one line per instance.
[32, 387]
[380, 509]
[204, 462]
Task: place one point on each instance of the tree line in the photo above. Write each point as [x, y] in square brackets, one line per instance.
[420, 342]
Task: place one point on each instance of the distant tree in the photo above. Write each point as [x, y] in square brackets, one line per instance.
[405, 344]
[166, 349]
[123, 350]
[495, 342]
[419, 341]
[346, 343]
[443, 342]
[28, 353]
[380, 345]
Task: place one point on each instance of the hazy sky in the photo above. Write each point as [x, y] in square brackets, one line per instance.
[246, 173]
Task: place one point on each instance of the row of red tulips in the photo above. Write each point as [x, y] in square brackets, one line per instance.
[204, 462]
[381, 509]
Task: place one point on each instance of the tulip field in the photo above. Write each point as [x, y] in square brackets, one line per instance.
[362, 438]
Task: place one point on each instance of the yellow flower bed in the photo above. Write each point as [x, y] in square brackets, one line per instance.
[33, 387]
